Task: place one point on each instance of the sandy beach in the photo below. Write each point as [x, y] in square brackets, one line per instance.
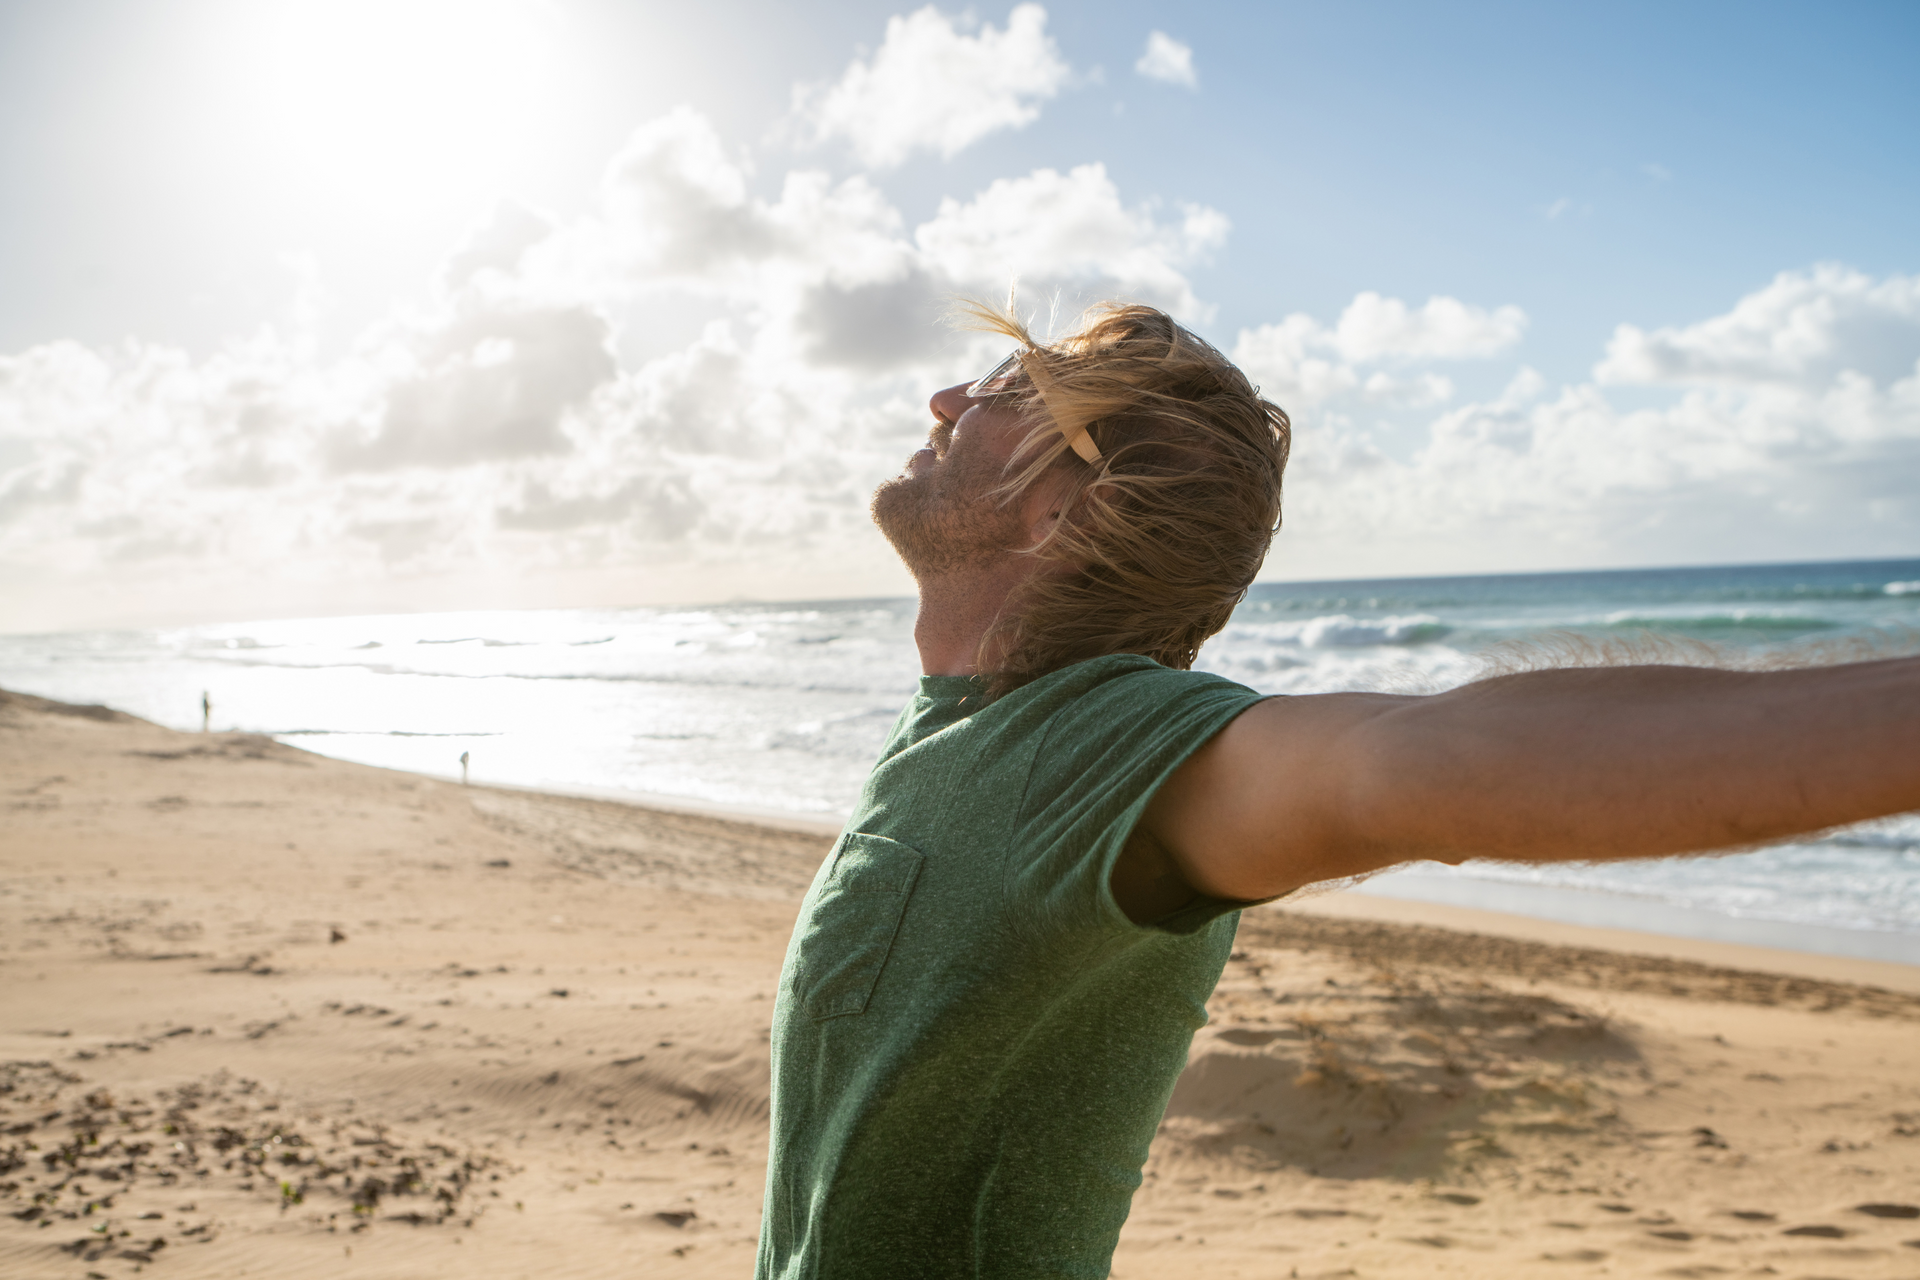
[267, 1013]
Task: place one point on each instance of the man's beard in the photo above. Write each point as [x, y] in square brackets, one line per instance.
[943, 520]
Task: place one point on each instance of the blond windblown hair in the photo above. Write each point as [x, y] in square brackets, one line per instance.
[1158, 537]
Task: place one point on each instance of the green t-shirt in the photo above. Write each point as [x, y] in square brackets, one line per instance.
[972, 1044]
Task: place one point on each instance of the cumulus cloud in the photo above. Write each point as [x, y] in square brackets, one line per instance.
[933, 87]
[496, 244]
[1168, 61]
[675, 205]
[507, 425]
[1805, 328]
[1377, 328]
[1795, 434]
[1051, 229]
[490, 385]
[1303, 363]
[875, 325]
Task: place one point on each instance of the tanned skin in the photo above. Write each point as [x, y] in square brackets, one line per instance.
[1546, 766]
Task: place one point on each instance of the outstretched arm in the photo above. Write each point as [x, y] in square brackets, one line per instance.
[1587, 763]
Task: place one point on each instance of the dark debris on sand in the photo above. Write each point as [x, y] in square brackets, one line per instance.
[70, 1154]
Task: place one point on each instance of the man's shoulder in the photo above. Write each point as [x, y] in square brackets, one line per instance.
[1125, 677]
[1103, 702]
[1102, 698]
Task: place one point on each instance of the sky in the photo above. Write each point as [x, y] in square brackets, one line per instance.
[313, 308]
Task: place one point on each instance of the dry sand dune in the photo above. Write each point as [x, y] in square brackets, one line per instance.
[270, 1014]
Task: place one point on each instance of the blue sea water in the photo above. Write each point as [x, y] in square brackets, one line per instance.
[781, 707]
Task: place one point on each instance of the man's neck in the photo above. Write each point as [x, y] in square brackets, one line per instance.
[956, 613]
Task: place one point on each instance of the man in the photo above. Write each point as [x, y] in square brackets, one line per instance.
[997, 972]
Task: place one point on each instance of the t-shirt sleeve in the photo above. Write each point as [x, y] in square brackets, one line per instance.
[1099, 763]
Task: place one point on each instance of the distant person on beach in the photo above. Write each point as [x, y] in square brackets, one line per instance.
[996, 974]
[206, 711]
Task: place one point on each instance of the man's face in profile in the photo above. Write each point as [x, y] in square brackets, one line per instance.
[938, 512]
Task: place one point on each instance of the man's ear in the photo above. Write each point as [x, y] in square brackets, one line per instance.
[1044, 502]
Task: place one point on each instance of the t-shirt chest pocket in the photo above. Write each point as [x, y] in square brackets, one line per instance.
[851, 929]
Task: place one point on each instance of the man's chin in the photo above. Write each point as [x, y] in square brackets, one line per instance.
[935, 529]
[890, 499]
[900, 510]
[894, 490]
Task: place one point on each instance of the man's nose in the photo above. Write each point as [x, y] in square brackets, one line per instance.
[950, 402]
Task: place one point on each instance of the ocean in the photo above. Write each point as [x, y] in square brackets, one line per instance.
[780, 708]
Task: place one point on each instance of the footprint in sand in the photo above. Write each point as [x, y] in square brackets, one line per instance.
[1753, 1215]
[1889, 1210]
[1822, 1232]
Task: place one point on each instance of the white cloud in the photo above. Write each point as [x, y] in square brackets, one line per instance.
[1282, 359]
[1056, 230]
[486, 447]
[931, 87]
[496, 244]
[1377, 328]
[1803, 329]
[502, 437]
[1303, 364]
[676, 203]
[1168, 61]
[491, 383]
[1797, 436]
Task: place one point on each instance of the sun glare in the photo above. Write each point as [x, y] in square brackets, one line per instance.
[370, 105]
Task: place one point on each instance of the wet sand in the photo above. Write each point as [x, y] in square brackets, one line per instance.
[271, 1014]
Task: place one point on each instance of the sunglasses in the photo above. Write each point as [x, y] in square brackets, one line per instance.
[1010, 376]
[1006, 377]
